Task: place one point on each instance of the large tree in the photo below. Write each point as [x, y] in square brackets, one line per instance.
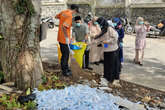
[20, 55]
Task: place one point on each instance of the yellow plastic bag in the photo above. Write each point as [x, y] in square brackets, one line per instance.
[78, 54]
[59, 53]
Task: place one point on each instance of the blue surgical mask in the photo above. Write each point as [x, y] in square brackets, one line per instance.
[95, 23]
[141, 22]
[78, 24]
[114, 24]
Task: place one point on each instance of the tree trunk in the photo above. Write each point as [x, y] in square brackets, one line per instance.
[19, 26]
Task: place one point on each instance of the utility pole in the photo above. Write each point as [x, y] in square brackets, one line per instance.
[93, 7]
[128, 12]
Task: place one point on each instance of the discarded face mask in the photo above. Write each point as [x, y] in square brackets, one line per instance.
[78, 97]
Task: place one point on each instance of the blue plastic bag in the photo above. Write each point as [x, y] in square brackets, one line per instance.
[74, 47]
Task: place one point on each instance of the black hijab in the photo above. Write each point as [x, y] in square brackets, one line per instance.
[103, 25]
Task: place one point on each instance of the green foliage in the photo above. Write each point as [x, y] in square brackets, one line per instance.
[28, 91]
[44, 79]
[51, 81]
[55, 78]
[60, 85]
[24, 7]
[10, 102]
[41, 87]
[31, 105]
[17, 46]
[1, 37]
[3, 98]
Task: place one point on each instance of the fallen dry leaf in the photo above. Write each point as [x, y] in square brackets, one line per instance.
[146, 99]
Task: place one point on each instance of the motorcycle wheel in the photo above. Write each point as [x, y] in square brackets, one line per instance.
[129, 30]
[51, 25]
[162, 33]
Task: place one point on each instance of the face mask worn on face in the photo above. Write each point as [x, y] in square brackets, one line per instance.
[115, 24]
[95, 23]
[78, 24]
[141, 22]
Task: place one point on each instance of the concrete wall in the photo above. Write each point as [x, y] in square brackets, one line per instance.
[101, 7]
[110, 3]
[110, 12]
[151, 10]
[153, 15]
[78, 1]
[53, 0]
[52, 9]
[146, 1]
[99, 3]
[84, 9]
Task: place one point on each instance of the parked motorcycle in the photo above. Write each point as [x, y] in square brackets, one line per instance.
[153, 32]
[88, 18]
[157, 30]
[128, 26]
[49, 21]
[161, 27]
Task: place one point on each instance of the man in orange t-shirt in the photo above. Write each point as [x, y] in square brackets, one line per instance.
[65, 25]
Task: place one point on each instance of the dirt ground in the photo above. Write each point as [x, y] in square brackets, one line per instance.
[133, 92]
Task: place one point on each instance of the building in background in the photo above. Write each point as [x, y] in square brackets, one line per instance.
[151, 10]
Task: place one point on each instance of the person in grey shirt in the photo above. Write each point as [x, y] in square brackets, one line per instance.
[80, 30]
[80, 34]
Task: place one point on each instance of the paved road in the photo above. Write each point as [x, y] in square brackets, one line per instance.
[49, 47]
[152, 74]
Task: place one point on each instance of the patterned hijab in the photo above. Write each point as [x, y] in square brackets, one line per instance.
[138, 20]
[103, 25]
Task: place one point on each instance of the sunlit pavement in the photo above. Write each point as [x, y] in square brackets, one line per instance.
[152, 73]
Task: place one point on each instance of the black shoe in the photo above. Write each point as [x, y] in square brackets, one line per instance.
[140, 63]
[67, 73]
[89, 68]
[101, 61]
[96, 63]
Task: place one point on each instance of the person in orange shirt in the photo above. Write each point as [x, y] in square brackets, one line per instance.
[64, 33]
